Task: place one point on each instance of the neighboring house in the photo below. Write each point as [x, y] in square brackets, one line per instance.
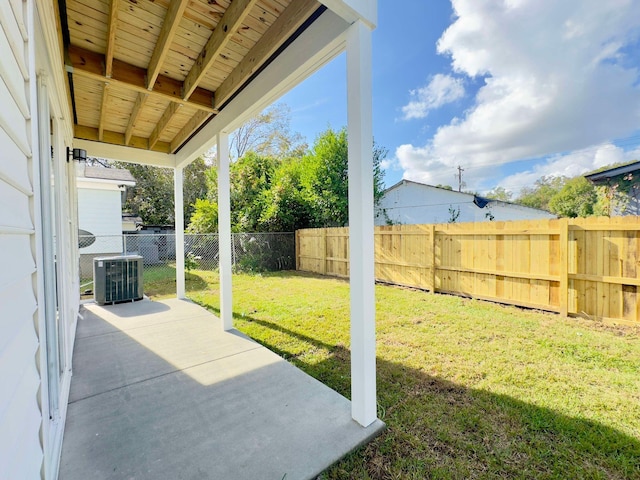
[626, 201]
[94, 77]
[408, 202]
[101, 194]
[100, 200]
[131, 223]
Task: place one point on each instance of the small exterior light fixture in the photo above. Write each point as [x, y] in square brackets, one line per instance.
[78, 154]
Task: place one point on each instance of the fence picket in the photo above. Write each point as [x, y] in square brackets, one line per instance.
[575, 267]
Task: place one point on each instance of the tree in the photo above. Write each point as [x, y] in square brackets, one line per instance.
[251, 177]
[541, 193]
[204, 218]
[576, 198]
[267, 134]
[327, 174]
[152, 197]
[194, 185]
[499, 193]
[270, 194]
[326, 169]
[379, 154]
[287, 203]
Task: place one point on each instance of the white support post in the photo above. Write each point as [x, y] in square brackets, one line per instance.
[363, 314]
[224, 231]
[178, 200]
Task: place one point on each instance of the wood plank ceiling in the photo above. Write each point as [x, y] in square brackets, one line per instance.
[149, 73]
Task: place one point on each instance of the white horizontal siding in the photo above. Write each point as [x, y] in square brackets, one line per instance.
[11, 27]
[12, 120]
[412, 203]
[18, 215]
[16, 301]
[17, 260]
[11, 74]
[21, 452]
[20, 449]
[100, 212]
[18, 12]
[11, 154]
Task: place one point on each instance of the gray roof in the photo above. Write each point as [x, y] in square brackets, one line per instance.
[602, 177]
[479, 201]
[108, 174]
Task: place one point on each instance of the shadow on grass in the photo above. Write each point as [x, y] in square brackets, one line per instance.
[439, 429]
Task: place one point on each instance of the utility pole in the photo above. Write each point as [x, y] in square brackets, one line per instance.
[460, 170]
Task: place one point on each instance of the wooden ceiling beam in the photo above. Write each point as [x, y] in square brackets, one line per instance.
[277, 34]
[190, 127]
[169, 28]
[168, 114]
[137, 109]
[90, 64]
[103, 110]
[115, 138]
[233, 17]
[111, 38]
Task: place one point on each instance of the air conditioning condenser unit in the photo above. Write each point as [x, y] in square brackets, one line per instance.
[117, 279]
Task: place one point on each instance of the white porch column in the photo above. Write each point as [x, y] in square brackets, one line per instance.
[224, 231]
[363, 314]
[178, 201]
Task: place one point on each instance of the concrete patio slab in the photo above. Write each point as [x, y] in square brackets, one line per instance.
[160, 391]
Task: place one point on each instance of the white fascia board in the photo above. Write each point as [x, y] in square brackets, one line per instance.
[324, 40]
[102, 184]
[354, 10]
[121, 153]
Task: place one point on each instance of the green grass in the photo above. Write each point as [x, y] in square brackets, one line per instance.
[158, 281]
[468, 389]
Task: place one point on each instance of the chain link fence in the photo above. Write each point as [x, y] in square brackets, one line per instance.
[250, 252]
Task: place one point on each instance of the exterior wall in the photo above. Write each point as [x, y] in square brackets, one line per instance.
[30, 430]
[633, 207]
[100, 212]
[412, 203]
[20, 417]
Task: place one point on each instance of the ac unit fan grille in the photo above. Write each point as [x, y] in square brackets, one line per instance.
[117, 279]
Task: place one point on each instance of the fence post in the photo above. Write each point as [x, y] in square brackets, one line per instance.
[124, 237]
[297, 248]
[564, 266]
[323, 252]
[431, 285]
[233, 249]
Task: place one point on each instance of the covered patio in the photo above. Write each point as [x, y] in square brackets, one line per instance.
[161, 82]
[163, 388]
[161, 391]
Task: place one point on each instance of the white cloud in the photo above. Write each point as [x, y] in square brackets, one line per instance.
[442, 89]
[575, 163]
[387, 164]
[557, 79]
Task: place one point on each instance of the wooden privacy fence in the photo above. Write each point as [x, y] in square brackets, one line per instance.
[584, 267]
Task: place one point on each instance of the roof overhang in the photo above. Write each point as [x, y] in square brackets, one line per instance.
[605, 176]
[153, 82]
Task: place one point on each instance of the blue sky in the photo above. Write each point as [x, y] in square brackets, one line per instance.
[508, 89]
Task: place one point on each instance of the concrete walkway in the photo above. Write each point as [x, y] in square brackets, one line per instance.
[159, 391]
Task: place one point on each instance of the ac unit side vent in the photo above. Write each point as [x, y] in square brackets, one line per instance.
[117, 279]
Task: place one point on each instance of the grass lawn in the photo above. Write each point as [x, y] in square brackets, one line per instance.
[468, 389]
